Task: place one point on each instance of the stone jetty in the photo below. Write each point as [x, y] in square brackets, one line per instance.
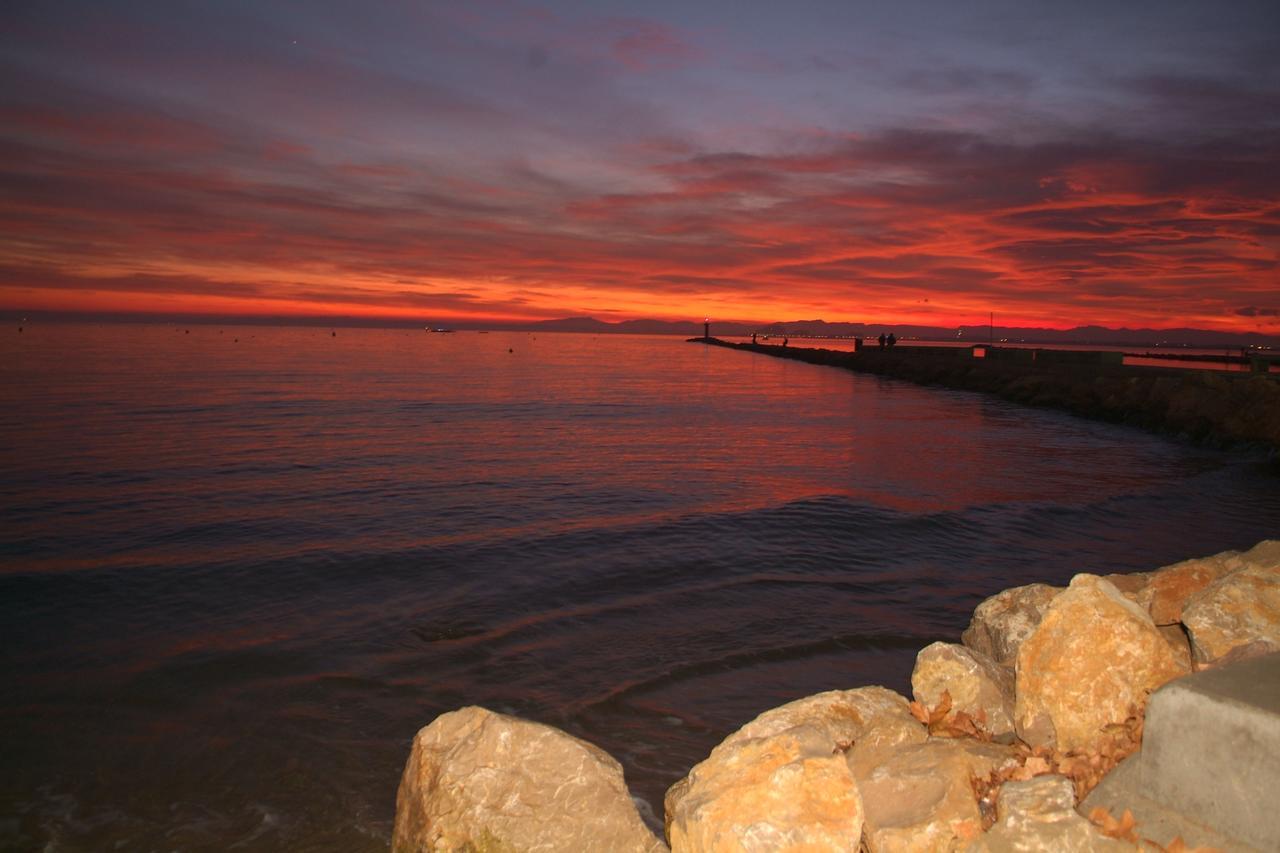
[1122, 712]
[1212, 407]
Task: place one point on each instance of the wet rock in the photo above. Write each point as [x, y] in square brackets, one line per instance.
[476, 780]
[1236, 610]
[783, 791]
[1090, 663]
[1004, 620]
[922, 797]
[1039, 814]
[977, 686]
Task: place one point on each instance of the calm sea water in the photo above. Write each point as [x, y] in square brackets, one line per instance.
[240, 567]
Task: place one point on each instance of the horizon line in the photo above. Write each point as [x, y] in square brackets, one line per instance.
[375, 322]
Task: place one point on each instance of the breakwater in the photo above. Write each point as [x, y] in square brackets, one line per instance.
[1209, 407]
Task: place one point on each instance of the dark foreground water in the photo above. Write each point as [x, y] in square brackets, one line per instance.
[239, 568]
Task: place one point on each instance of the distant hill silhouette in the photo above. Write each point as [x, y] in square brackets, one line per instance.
[1096, 335]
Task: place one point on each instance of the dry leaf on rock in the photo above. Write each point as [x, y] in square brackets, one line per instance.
[1121, 828]
[934, 717]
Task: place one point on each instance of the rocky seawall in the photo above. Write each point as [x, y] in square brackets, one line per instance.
[1211, 407]
[1007, 734]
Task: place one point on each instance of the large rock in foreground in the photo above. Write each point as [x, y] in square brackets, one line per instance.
[1239, 609]
[866, 723]
[786, 780]
[1166, 591]
[788, 791]
[481, 781]
[1089, 664]
[1004, 620]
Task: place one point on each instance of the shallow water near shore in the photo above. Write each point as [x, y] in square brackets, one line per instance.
[240, 567]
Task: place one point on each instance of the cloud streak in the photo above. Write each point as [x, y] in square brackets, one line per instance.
[511, 161]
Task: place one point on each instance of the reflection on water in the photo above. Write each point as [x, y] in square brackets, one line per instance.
[240, 567]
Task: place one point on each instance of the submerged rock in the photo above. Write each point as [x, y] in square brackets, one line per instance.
[1241, 609]
[1039, 814]
[923, 798]
[481, 781]
[1002, 622]
[1090, 663]
[976, 685]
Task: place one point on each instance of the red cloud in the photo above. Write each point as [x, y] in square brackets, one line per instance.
[1108, 231]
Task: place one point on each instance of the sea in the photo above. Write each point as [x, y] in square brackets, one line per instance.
[240, 567]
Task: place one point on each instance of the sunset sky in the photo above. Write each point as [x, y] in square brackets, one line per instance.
[1056, 163]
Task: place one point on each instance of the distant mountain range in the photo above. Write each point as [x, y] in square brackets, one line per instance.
[1097, 335]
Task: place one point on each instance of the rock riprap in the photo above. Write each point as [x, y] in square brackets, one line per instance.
[1008, 731]
[1090, 663]
[481, 781]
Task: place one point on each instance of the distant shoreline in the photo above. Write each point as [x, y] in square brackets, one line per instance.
[799, 330]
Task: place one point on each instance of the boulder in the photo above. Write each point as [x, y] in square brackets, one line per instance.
[1004, 620]
[784, 791]
[1131, 584]
[1240, 609]
[476, 780]
[977, 686]
[1039, 814]
[736, 800]
[865, 723]
[922, 797]
[1266, 554]
[1167, 590]
[1090, 663]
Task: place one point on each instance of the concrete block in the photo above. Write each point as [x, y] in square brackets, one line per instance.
[1210, 758]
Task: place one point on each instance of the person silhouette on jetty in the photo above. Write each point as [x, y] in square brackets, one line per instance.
[753, 338]
[784, 342]
[892, 340]
[881, 339]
